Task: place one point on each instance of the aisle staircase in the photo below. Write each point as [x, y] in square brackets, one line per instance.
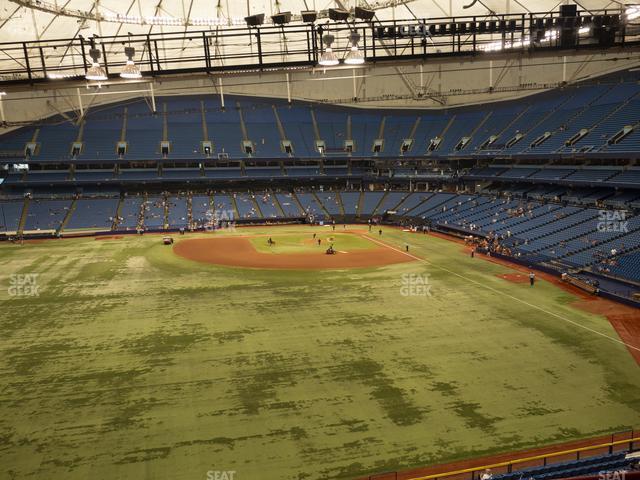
[67, 217]
[23, 216]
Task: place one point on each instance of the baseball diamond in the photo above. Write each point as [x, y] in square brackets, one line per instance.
[299, 240]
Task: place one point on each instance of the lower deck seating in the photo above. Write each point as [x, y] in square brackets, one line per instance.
[574, 468]
[46, 214]
[178, 212]
[535, 230]
[10, 212]
[625, 266]
[289, 205]
[247, 208]
[154, 209]
[267, 204]
[93, 213]
[201, 211]
[130, 213]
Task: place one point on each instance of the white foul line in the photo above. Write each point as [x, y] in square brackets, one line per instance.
[633, 347]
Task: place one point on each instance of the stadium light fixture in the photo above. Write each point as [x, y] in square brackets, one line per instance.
[281, 18]
[95, 72]
[328, 58]
[338, 14]
[633, 12]
[254, 20]
[365, 14]
[355, 55]
[309, 16]
[130, 70]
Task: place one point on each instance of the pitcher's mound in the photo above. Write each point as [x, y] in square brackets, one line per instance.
[239, 252]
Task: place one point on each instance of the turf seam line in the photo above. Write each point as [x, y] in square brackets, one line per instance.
[568, 320]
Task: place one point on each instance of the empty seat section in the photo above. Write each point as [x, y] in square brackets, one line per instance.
[184, 126]
[591, 175]
[330, 202]
[201, 211]
[309, 204]
[93, 176]
[148, 174]
[303, 171]
[462, 126]
[412, 201]
[178, 216]
[350, 202]
[497, 122]
[429, 127]
[364, 130]
[10, 213]
[370, 202]
[130, 213]
[519, 172]
[154, 213]
[246, 206]
[224, 129]
[40, 176]
[263, 172]
[267, 204]
[432, 204]
[101, 134]
[298, 129]
[389, 202]
[56, 141]
[262, 129]
[396, 129]
[45, 214]
[223, 207]
[144, 132]
[93, 214]
[631, 176]
[223, 172]
[289, 205]
[335, 171]
[332, 126]
[16, 140]
[180, 173]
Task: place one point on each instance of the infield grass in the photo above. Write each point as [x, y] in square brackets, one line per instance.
[307, 243]
[135, 363]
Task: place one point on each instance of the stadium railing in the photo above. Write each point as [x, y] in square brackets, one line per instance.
[630, 443]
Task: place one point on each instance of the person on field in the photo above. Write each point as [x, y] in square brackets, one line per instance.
[406, 247]
[314, 235]
[473, 252]
[380, 232]
[333, 227]
[532, 279]
[319, 241]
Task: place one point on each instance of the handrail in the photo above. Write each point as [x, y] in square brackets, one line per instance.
[527, 459]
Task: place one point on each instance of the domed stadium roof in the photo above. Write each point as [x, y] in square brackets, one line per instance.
[25, 20]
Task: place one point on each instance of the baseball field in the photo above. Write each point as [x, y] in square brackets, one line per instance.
[125, 358]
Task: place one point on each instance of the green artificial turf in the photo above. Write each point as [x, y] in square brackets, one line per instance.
[307, 243]
[135, 363]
